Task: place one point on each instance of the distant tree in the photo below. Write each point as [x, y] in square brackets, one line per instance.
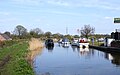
[68, 36]
[48, 34]
[32, 33]
[57, 35]
[87, 30]
[101, 36]
[20, 31]
[37, 31]
[7, 33]
[76, 36]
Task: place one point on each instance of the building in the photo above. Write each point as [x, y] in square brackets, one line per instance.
[116, 35]
[4, 37]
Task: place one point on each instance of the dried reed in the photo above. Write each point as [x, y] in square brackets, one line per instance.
[35, 48]
[35, 44]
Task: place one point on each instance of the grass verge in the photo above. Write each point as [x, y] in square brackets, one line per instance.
[97, 43]
[13, 62]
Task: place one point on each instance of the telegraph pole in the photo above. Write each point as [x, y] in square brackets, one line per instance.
[66, 30]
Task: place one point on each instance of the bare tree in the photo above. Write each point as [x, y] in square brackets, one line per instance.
[87, 30]
[7, 33]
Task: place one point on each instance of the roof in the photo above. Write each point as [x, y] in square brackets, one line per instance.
[5, 36]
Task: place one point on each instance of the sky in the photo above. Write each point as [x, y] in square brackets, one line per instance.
[57, 15]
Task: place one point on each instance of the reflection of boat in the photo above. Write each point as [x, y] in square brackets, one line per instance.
[74, 42]
[84, 51]
[50, 47]
[49, 42]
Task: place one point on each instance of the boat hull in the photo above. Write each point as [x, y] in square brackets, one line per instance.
[83, 45]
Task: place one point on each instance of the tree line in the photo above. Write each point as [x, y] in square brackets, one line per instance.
[20, 32]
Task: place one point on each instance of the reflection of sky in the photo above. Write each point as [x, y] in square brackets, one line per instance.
[69, 61]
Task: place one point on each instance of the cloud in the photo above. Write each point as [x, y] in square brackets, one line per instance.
[100, 4]
[108, 18]
[37, 2]
[6, 20]
[37, 20]
[4, 13]
[109, 6]
[65, 13]
[58, 2]
[27, 2]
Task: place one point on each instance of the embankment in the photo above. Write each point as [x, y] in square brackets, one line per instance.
[106, 49]
[35, 48]
[13, 57]
[12, 60]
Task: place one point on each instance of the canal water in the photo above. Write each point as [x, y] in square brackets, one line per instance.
[75, 61]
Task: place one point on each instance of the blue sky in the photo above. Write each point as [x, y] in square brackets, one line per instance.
[56, 15]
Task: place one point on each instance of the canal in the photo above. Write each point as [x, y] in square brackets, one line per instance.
[76, 61]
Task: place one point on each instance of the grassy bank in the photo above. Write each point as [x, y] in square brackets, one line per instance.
[97, 43]
[12, 60]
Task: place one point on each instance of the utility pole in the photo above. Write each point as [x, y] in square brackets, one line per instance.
[78, 31]
[66, 30]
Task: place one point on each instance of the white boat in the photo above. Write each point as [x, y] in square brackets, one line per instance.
[82, 43]
[60, 41]
[65, 42]
[74, 42]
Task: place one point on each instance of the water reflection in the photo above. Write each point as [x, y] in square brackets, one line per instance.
[63, 45]
[114, 58]
[76, 61]
[83, 51]
[32, 54]
[50, 48]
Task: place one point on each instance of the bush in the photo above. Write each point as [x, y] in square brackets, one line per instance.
[8, 43]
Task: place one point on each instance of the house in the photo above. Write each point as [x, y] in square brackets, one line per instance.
[4, 37]
[116, 35]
